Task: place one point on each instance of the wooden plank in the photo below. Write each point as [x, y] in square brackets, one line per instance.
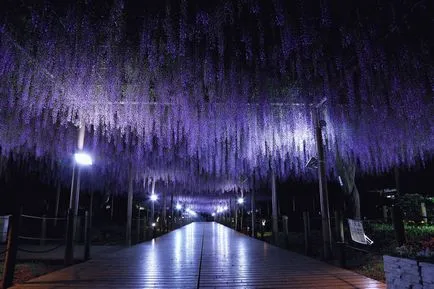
[225, 259]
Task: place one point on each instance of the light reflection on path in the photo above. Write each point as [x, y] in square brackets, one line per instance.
[227, 259]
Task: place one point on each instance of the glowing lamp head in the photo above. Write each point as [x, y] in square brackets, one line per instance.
[153, 224]
[83, 159]
[154, 197]
[240, 201]
[178, 207]
[225, 208]
[213, 214]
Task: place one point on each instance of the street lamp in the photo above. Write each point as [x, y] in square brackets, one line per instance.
[83, 159]
[178, 206]
[240, 200]
[153, 198]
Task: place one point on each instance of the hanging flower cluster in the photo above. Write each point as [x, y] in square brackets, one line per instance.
[205, 94]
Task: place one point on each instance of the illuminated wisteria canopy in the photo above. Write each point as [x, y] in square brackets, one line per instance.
[202, 95]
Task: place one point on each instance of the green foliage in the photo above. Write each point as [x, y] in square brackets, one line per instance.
[419, 244]
[383, 235]
[410, 205]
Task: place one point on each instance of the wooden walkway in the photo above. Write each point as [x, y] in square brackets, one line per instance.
[203, 255]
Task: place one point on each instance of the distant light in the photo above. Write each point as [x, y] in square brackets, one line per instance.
[141, 208]
[213, 214]
[153, 224]
[83, 159]
[240, 201]
[263, 222]
[191, 212]
[178, 206]
[154, 197]
[340, 181]
[225, 208]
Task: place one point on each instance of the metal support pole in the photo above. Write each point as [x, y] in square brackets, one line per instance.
[77, 196]
[71, 196]
[73, 204]
[325, 214]
[274, 205]
[129, 207]
[11, 249]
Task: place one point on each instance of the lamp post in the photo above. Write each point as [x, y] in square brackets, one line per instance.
[240, 202]
[80, 159]
[153, 198]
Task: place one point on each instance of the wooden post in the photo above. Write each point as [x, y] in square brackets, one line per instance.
[423, 212]
[69, 248]
[397, 218]
[87, 236]
[148, 224]
[43, 230]
[398, 225]
[77, 200]
[236, 215]
[171, 211]
[342, 255]
[163, 213]
[385, 216]
[339, 226]
[112, 207]
[285, 230]
[138, 226]
[325, 214]
[306, 225]
[129, 207]
[253, 205]
[56, 209]
[274, 206]
[89, 227]
[12, 248]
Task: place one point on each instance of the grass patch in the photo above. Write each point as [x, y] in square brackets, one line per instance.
[372, 267]
[28, 270]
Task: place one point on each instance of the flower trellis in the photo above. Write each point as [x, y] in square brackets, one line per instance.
[204, 94]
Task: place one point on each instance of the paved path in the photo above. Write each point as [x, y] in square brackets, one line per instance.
[203, 255]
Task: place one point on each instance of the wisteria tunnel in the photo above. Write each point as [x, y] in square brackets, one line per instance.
[206, 101]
